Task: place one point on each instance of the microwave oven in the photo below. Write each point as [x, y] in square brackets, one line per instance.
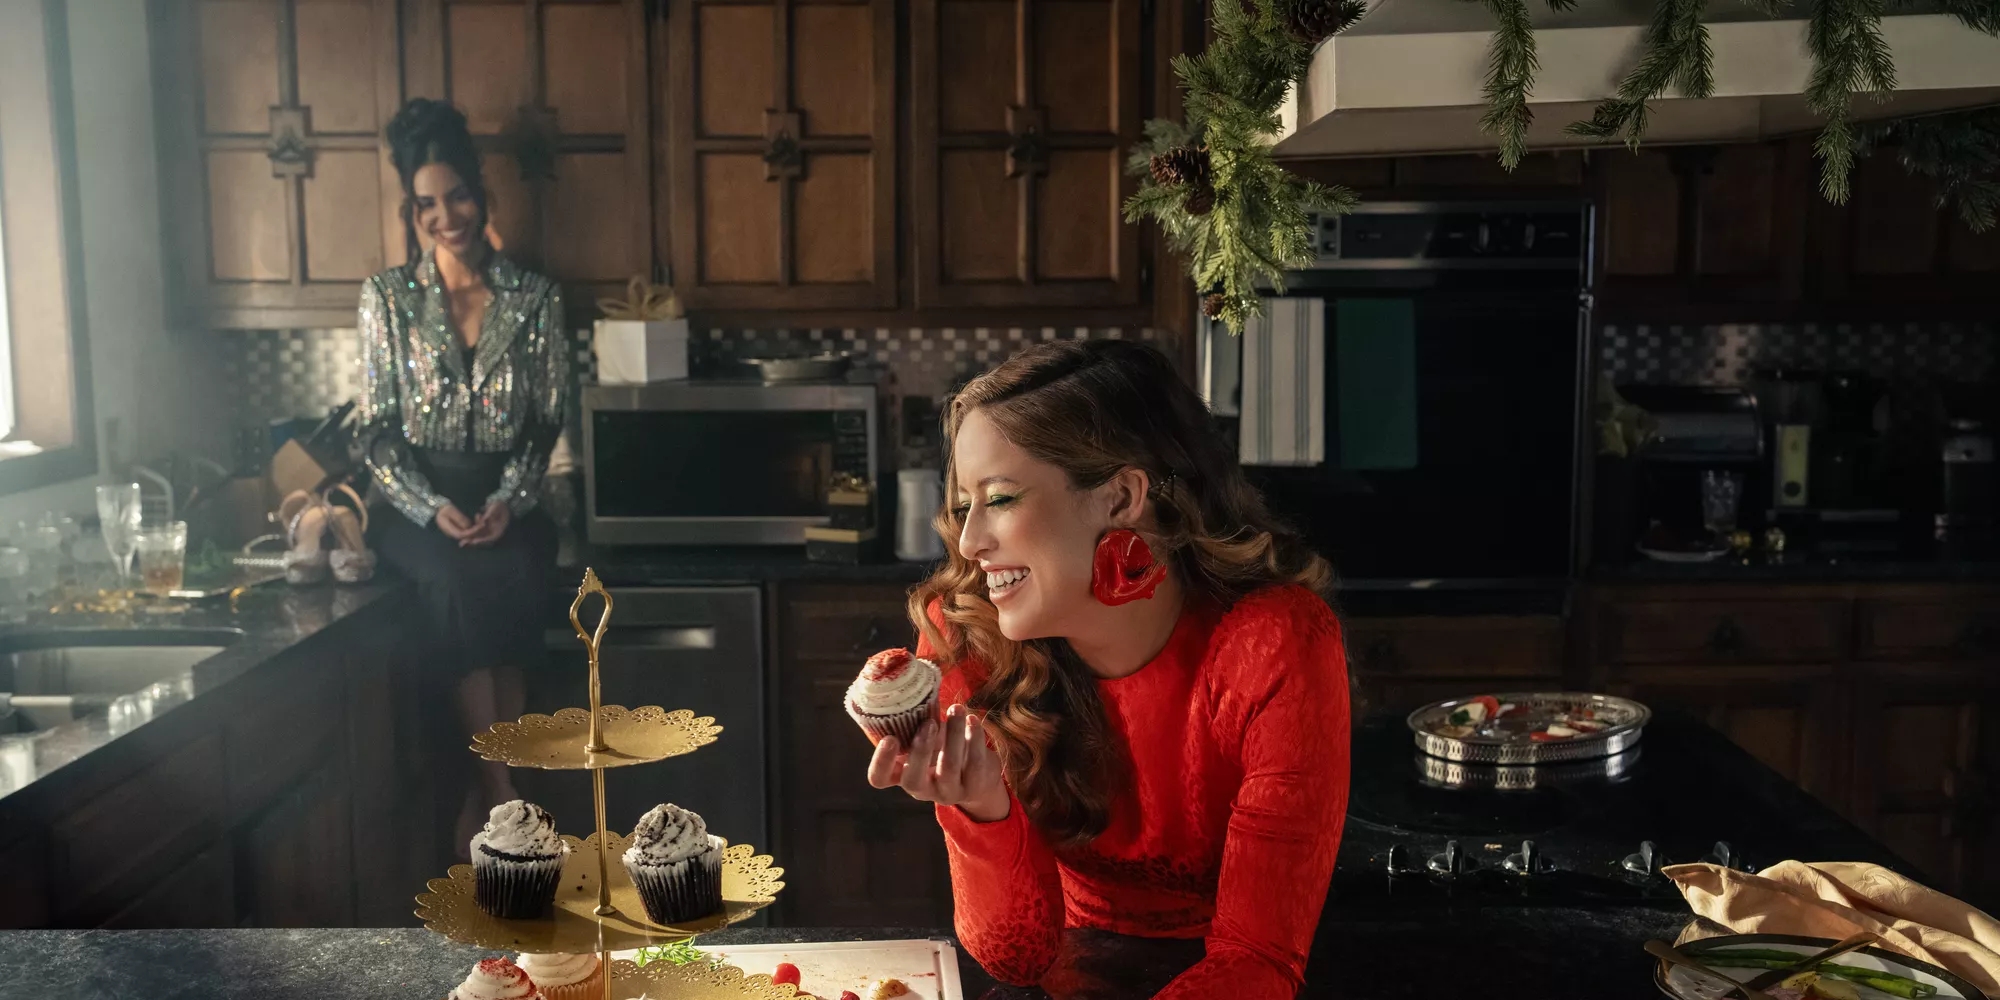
[720, 462]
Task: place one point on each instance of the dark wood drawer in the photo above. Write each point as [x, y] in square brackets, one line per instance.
[1893, 629]
[844, 625]
[291, 731]
[1721, 631]
[141, 823]
[1472, 646]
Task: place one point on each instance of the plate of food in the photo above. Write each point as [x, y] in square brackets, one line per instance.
[1867, 974]
[1663, 545]
[1528, 727]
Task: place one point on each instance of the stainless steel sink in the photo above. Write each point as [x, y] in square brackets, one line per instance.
[49, 677]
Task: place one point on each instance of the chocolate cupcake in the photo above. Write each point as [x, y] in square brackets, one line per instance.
[496, 979]
[517, 861]
[894, 695]
[676, 865]
[565, 977]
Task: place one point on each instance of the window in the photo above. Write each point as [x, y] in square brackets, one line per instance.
[45, 415]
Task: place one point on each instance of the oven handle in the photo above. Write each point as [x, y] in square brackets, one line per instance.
[656, 637]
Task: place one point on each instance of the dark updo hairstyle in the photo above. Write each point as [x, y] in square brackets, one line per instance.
[425, 132]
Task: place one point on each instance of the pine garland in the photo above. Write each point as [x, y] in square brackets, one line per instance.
[1849, 56]
[1676, 55]
[1251, 220]
[1960, 151]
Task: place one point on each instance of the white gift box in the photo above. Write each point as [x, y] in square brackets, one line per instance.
[634, 352]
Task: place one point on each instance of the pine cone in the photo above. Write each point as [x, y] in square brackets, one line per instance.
[1200, 199]
[1211, 305]
[1313, 21]
[1180, 165]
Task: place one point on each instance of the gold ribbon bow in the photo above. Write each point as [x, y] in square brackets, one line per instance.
[644, 302]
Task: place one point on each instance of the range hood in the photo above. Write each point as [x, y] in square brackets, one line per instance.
[1406, 78]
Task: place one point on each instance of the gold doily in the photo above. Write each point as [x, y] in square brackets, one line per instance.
[635, 736]
[693, 981]
[749, 884]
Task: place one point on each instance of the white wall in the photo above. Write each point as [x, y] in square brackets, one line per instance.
[155, 390]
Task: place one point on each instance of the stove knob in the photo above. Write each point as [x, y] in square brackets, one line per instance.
[1724, 855]
[1528, 862]
[1452, 862]
[1646, 862]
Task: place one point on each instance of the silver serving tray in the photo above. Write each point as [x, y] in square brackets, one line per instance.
[1628, 719]
[1453, 774]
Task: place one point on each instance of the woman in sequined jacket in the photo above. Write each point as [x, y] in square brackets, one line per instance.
[465, 369]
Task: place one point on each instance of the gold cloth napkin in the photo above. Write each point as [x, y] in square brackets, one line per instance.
[1833, 899]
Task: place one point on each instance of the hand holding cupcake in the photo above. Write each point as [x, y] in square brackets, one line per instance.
[894, 696]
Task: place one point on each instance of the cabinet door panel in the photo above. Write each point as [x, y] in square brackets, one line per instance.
[583, 52]
[1642, 209]
[1077, 223]
[248, 231]
[1925, 754]
[270, 124]
[783, 140]
[589, 230]
[833, 243]
[336, 46]
[489, 62]
[556, 95]
[343, 216]
[202, 893]
[739, 220]
[1785, 717]
[239, 65]
[734, 44]
[1016, 152]
[1895, 219]
[1736, 195]
[831, 79]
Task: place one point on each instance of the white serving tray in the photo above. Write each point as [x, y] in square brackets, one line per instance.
[928, 968]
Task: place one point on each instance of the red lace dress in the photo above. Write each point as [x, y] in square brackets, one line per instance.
[1238, 738]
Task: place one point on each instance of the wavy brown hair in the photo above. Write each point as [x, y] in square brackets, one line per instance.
[1095, 408]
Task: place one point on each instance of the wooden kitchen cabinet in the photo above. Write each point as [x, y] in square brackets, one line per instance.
[270, 114]
[1022, 114]
[854, 855]
[1880, 699]
[1739, 233]
[1398, 664]
[783, 152]
[1926, 748]
[557, 96]
[298, 857]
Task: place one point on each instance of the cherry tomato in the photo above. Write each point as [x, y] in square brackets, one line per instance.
[1491, 704]
[787, 973]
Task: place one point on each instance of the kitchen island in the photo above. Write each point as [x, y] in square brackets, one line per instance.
[1559, 954]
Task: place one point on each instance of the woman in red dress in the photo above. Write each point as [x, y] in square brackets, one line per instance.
[1146, 700]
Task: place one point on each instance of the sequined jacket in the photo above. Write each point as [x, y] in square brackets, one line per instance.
[416, 391]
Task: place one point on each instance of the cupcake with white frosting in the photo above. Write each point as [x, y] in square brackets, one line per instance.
[565, 977]
[496, 979]
[676, 864]
[894, 695]
[517, 861]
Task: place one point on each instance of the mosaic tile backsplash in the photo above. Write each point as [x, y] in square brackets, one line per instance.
[293, 373]
[1729, 353]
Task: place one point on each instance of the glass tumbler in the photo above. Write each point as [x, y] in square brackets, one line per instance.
[162, 551]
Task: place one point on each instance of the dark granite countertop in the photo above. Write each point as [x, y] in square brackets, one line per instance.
[269, 621]
[661, 565]
[1547, 953]
[1803, 570]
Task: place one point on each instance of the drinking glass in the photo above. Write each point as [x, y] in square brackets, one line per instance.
[14, 596]
[162, 553]
[118, 515]
[1720, 492]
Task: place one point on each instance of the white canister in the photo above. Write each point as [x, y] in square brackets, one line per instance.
[919, 494]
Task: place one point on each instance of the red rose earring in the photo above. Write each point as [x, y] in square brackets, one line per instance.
[1124, 569]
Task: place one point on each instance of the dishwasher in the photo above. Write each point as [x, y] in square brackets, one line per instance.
[698, 648]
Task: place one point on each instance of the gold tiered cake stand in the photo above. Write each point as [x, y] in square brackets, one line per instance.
[597, 908]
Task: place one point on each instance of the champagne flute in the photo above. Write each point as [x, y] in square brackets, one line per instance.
[118, 515]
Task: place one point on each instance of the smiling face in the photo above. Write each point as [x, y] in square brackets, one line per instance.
[447, 210]
[1029, 530]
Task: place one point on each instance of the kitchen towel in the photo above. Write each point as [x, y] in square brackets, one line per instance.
[1833, 899]
[1284, 385]
[1375, 383]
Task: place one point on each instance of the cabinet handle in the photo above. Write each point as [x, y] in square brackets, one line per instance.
[1727, 638]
